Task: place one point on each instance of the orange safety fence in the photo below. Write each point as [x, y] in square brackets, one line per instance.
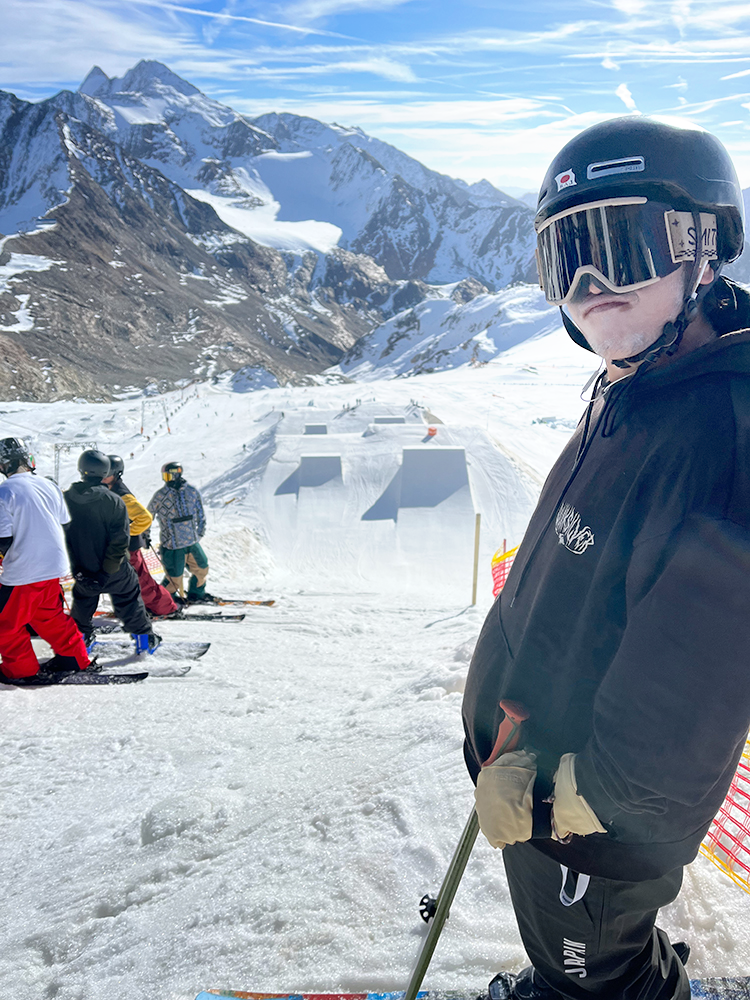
[727, 842]
[501, 564]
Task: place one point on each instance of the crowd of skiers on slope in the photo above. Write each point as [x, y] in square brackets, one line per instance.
[95, 531]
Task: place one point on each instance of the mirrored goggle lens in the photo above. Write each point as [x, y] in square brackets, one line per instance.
[628, 243]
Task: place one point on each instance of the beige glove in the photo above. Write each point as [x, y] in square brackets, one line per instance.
[504, 798]
[571, 813]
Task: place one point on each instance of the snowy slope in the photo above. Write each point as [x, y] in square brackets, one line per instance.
[442, 333]
[271, 820]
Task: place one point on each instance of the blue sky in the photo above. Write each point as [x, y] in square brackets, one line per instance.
[480, 88]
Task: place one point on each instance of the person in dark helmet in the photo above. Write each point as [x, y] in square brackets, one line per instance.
[97, 540]
[157, 599]
[182, 523]
[32, 543]
[623, 629]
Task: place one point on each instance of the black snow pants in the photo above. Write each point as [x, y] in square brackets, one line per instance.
[125, 591]
[594, 937]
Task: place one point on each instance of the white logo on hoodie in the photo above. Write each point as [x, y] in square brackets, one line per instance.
[569, 531]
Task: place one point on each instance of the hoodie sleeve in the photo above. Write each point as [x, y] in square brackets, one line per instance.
[140, 518]
[200, 515]
[673, 712]
[672, 715]
[153, 504]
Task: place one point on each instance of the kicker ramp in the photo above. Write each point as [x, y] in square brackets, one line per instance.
[427, 478]
[431, 503]
[313, 471]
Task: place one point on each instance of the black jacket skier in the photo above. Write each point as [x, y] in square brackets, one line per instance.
[623, 631]
[626, 609]
[99, 533]
[98, 539]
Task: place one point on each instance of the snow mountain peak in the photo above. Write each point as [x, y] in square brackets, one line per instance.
[147, 77]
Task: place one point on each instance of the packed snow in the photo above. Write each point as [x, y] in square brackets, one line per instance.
[271, 820]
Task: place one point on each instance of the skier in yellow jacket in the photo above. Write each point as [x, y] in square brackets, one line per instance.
[158, 600]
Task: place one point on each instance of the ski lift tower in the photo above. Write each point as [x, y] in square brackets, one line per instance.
[67, 447]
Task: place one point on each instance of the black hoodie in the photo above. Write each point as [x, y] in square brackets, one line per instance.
[624, 626]
[99, 531]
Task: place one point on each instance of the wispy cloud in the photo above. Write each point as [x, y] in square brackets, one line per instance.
[314, 10]
[225, 17]
[623, 92]
[492, 95]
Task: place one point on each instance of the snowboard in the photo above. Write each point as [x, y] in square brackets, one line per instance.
[107, 649]
[112, 668]
[82, 677]
[728, 988]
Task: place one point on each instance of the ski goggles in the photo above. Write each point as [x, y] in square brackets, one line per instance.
[625, 243]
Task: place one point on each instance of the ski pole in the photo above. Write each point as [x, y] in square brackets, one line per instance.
[508, 737]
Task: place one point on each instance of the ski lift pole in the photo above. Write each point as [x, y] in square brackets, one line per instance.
[508, 737]
[477, 526]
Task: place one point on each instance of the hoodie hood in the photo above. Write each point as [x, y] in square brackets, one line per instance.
[85, 493]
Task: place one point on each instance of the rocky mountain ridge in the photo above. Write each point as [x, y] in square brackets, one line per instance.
[151, 235]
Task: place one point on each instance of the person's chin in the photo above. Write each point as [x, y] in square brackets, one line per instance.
[615, 347]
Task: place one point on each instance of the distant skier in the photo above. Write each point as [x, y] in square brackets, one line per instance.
[98, 539]
[157, 599]
[623, 629]
[32, 543]
[182, 523]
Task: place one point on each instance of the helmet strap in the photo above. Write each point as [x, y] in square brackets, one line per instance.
[671, 335]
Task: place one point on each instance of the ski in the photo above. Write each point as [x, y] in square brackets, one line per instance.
[212, 616]
[106, 626]
[106, 649]
[229, 602]
[725, 988]
[82, 677]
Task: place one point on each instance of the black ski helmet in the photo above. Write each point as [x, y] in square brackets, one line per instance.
[14, 454]
[680, 165]
[93, 465]
[116, 465]
[171, 472]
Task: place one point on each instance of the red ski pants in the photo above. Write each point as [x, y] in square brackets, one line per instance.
[157, 599]
[41, 606]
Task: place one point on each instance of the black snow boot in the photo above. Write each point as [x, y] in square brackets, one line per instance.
[203, 598]
[526, 985]
[529, 985]
[60, 664]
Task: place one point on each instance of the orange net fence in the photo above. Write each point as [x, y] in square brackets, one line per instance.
[149, 556]
[727, 842]
[501, 564]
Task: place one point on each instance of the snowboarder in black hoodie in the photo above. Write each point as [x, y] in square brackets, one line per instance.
[623, 629]
[97, 540]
